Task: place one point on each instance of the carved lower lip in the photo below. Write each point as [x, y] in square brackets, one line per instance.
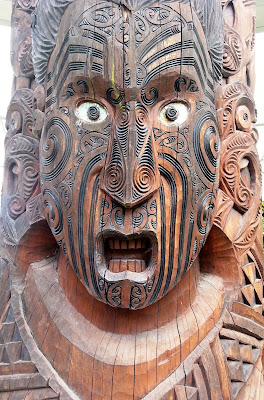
[121, 257]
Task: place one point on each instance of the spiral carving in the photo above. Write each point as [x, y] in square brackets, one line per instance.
[114, 178]
[93, 113]
[239, 170]
[16, 206]
[153, 92]
[144, 177]
[25, 57]
[232, 53]
[205, 211]
[206, 145]
[53, 212]
[113, 295]
[138, 296]
[57, 135]
[172, 114]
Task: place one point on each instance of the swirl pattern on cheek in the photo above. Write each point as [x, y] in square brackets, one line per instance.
[57, 136]
[206, 145]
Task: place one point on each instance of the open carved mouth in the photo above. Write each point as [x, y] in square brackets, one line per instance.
[122, 254]
[127, 255]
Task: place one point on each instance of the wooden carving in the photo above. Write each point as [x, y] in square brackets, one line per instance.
[132, 257]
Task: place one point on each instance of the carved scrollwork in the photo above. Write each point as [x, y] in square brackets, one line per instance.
[247, 234]
[145, 217]
[26, 5]
[236, 94]
[114, 295]
[239, 170]
[232, 56]
[21, 179]
[23, 170]
[19, 117]
[112, 215]
[53, 213]
[138, 296]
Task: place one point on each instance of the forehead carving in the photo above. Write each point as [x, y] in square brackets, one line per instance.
[45, 28]
[121, 50]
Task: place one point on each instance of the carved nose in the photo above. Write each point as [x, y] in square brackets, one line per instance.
[131, 173]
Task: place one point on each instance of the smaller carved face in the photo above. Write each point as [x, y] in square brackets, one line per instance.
[130, 148]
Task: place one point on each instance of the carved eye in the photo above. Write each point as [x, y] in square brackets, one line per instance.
[91, 112]
[174, 113]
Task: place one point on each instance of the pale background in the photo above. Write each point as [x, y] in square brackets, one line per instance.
[6, 76]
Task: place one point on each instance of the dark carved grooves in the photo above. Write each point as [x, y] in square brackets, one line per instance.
[168, 176]
[185, 192]
[162, 250]
[83, 188]
[56, 170]
[208, 116]
[72, 248]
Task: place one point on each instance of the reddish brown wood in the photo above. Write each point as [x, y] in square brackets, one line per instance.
[132, 258]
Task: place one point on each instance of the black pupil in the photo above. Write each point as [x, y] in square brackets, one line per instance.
[93, 113]
[171, 113]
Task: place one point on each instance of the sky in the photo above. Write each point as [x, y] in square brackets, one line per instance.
[6, 84]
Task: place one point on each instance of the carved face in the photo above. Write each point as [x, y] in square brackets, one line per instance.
[129, 153]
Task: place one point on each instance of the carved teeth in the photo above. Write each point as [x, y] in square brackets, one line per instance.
[123, 245]
[116, 244]
[127, 255]
[131, 244]
[119, 265]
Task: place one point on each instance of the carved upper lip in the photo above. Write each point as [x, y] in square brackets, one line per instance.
[122, 256]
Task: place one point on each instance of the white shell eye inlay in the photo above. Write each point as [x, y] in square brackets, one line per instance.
[174, 113]
[91, 112]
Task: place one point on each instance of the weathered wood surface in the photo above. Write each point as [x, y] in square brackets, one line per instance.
[132, 264]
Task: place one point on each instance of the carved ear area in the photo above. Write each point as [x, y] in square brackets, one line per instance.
[38, 123]
[239, 175]
[16, 204]
[39, 98]
[245, 115]
[38, 111]
[243, 119]
[13, 124]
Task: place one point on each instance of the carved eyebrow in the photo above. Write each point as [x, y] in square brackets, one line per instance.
[73, 65]
[188, 61]
[197, 60]
[90, 35]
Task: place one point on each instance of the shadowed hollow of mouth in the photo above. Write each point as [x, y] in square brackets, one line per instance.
[127, 254]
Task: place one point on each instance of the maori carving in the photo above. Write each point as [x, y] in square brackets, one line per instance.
[131, 161]
[132, 265]
[21, 191]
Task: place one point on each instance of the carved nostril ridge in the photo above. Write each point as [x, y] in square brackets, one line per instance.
[131, 172]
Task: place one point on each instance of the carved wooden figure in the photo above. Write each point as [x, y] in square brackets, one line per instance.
[132, 258]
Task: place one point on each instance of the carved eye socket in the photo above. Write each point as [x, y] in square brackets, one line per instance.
[174, 113]
[91, 112]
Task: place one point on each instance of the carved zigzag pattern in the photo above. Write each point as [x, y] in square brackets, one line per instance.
[252, 292]
[19, 378]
